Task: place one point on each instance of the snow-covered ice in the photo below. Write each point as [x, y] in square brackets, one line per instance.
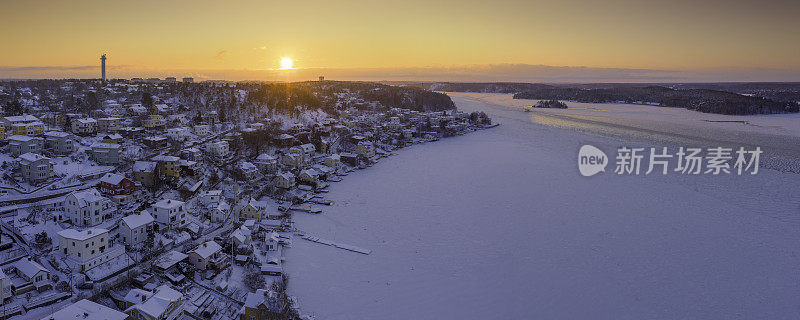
[499, 224]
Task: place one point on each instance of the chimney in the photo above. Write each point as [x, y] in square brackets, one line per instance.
[143, 298]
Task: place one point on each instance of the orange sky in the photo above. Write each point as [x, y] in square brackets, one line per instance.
[236, 39]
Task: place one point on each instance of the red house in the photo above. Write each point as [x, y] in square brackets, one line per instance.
[116, 184]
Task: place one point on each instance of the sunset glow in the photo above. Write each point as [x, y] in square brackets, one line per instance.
[286, 63]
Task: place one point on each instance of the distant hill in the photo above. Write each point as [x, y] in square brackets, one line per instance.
[722, 98]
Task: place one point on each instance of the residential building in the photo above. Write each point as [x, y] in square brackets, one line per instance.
[171, 214]
[248, 171]
[293, 160]
[35, 275]
[217, 149]
[144, 172]
[89, 248]
[113, 184]
[10, 121]
[366, 149]
[309, 177]
[18, 145]
[284, 180]
[86, 310]
[5, 287]
[59, 142]
[266, 163]
[165, 304]
[134, 228]
[208, 255]
[107, 124]
[154, 121]
[84, 126]
[261, 305]
[220, 212]
[167, 166]
[334, 161]
[28, 129]
[112, 138]
[253, 210]
[211, 197]
[105, 153]
[202, 130]
[35, 168]
[87, 207]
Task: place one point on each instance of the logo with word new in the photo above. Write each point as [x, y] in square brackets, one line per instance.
[591, 160]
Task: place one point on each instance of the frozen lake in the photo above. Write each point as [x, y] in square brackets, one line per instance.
[498, 224]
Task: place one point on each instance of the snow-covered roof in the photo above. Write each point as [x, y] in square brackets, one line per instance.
[165, 158]
[112, 178]
[23, 118]
[86, 120]
[57, 134]
[265, 157]
[207, 249]
[169, 259]
[20, 138]
[137, 220]
[137, 295]
[84, 197]
[28, 267]
[83, 234]
[158, 304]
[104, 145]
[144, 166]
[32, 157]
[86, 310]
[168, 203]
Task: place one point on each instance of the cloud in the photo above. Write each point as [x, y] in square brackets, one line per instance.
[221, 55]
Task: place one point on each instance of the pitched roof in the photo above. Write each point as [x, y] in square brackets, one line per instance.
[137, 220]
[87, 196]
[83, 234]
[32, 157]
[86, 310]
[207, 249]
[112, 178]
[29, 267]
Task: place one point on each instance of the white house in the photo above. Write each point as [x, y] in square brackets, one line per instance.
[89, 248]
[202, 130]
[84, 126]
[134, 228]
[211, 197]
[217, 149]
[87, 207]
[207, 255]
[266, 163]
[284, 180]
[105, 153]
[171, 214]
[32, 272]
[59, 142]
[18, 145]
[35, 168]
[220, 212]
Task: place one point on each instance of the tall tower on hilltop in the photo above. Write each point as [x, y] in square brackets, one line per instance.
[103, 67]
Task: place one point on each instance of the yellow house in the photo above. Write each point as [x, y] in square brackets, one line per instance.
[257, 306]
[253, 210]
[28, 129]
[167, 166]
[154, 121]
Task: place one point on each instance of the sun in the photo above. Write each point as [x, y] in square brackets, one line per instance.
[286, 63]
